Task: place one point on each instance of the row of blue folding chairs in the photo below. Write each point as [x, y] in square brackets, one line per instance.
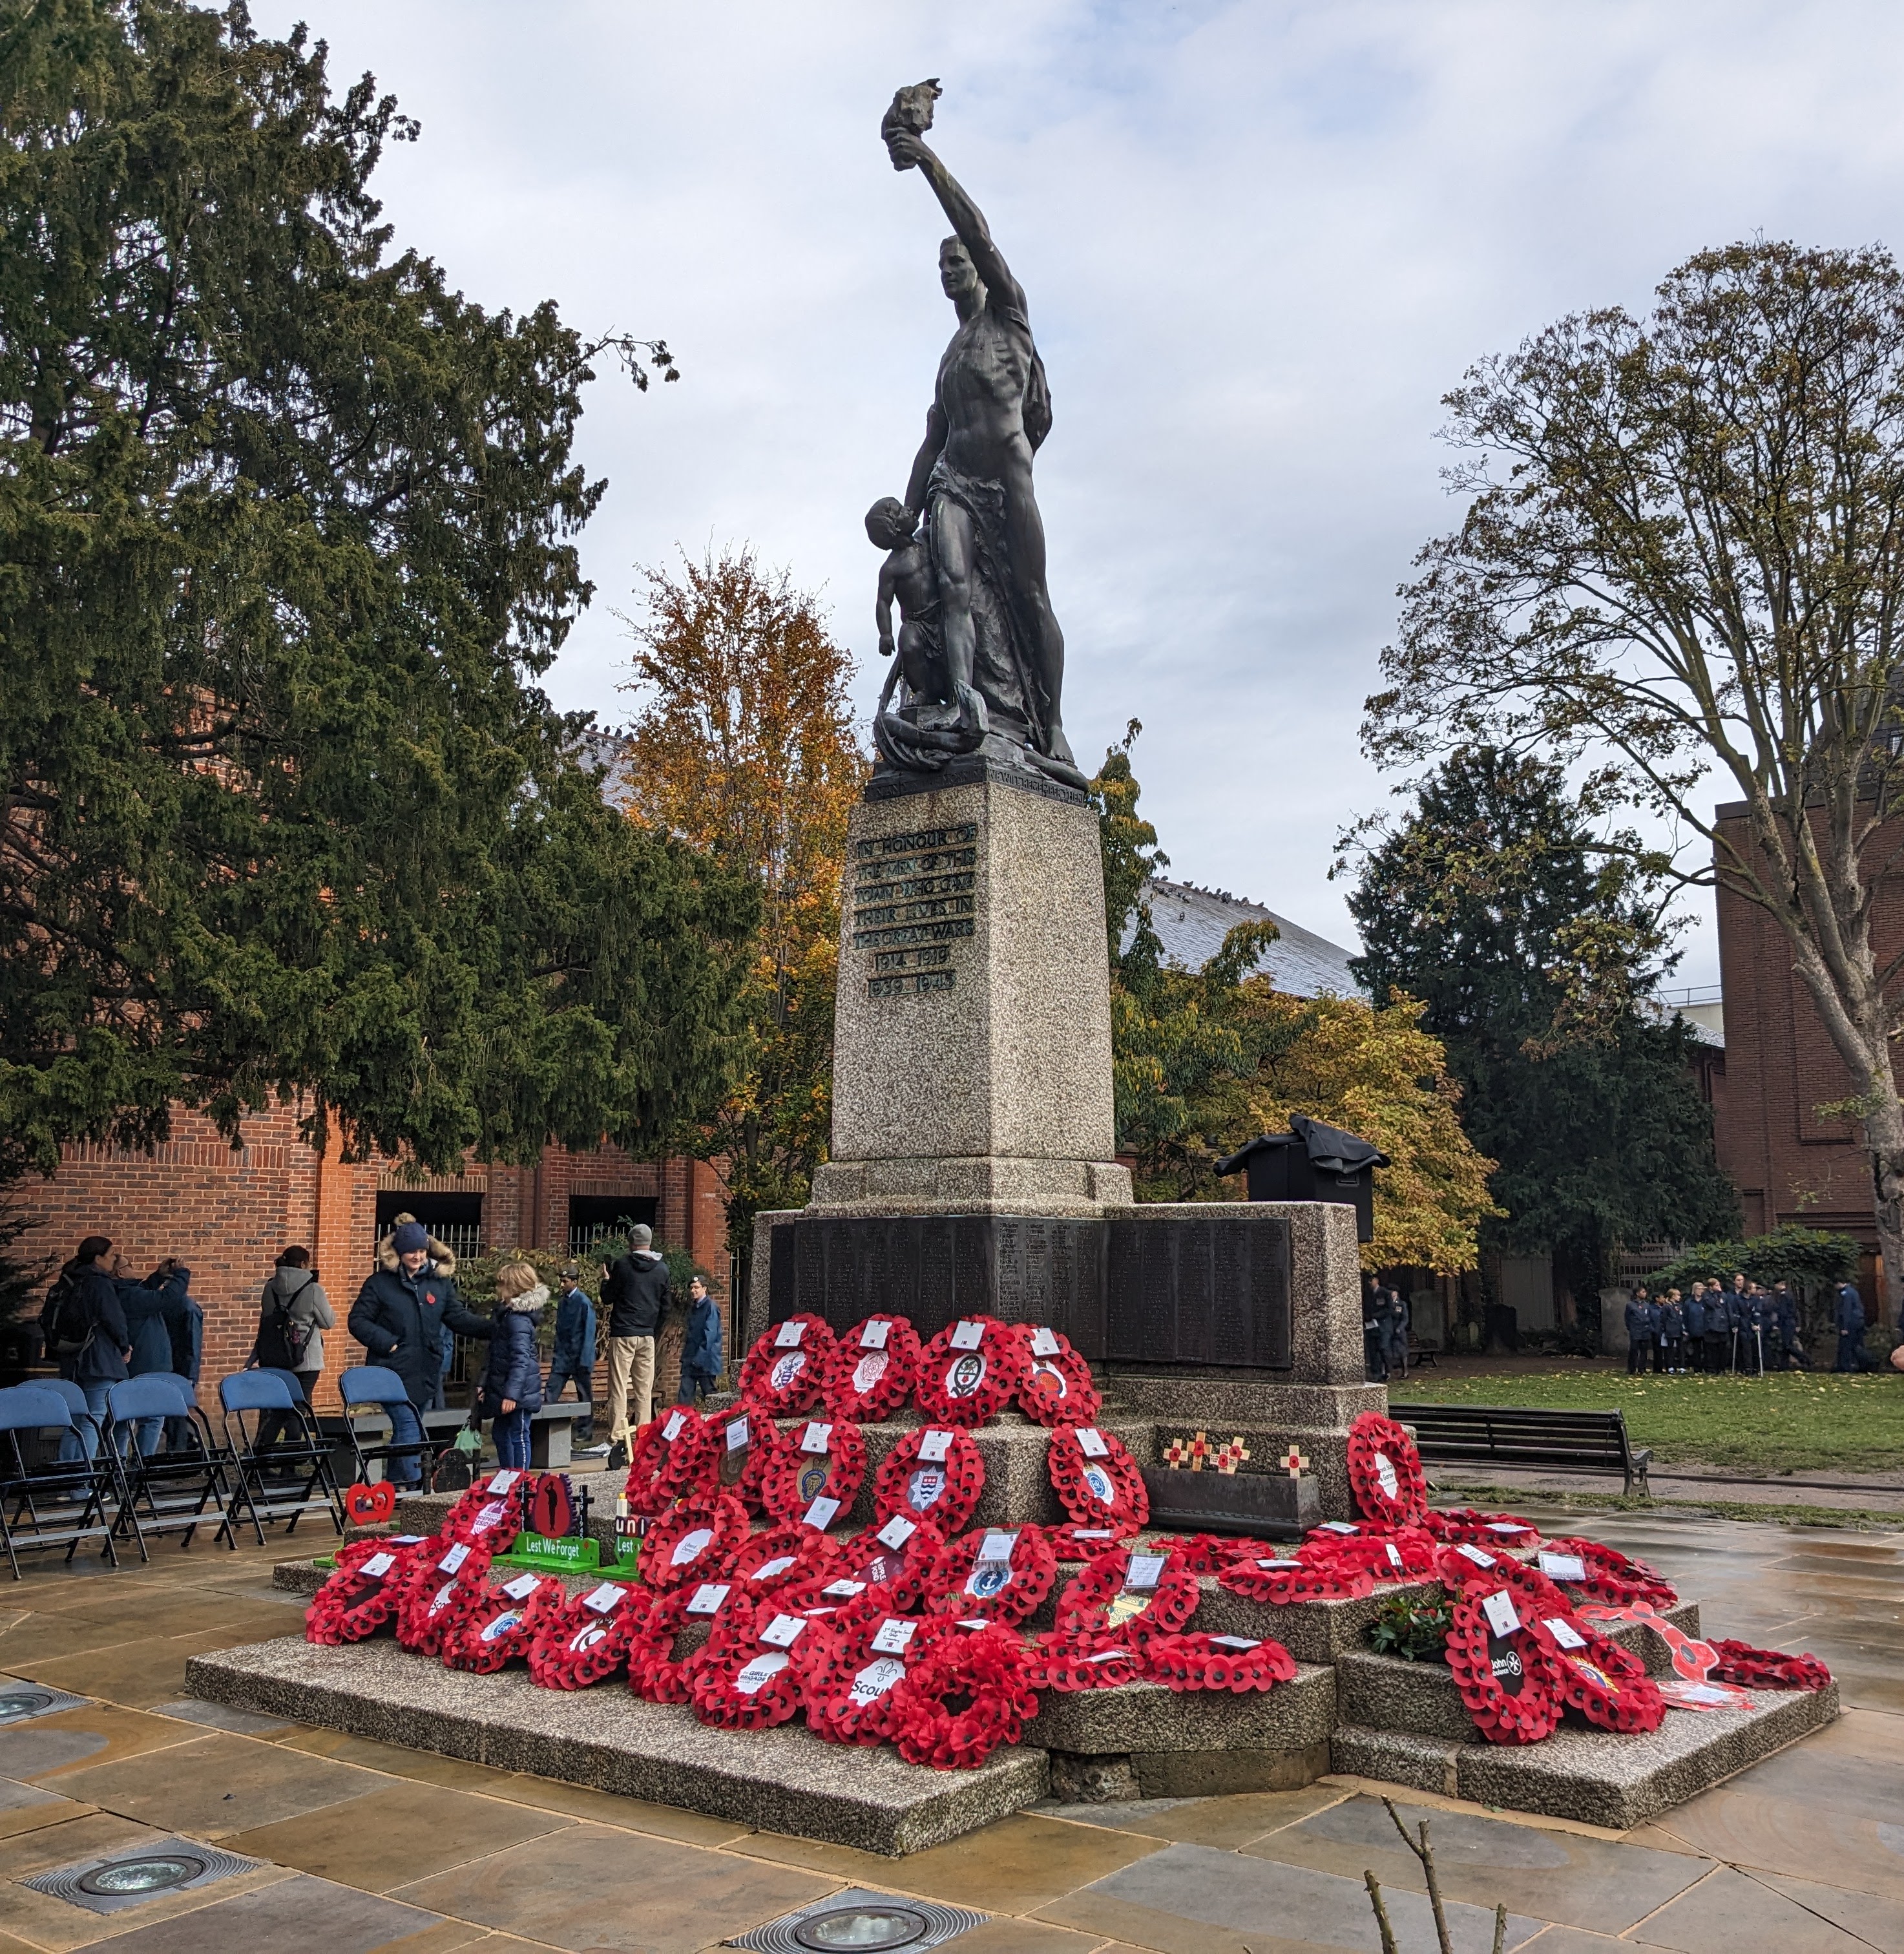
[98, 1483]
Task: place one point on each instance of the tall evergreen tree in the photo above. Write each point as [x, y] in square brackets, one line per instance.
[1534, 953]
[286, 541]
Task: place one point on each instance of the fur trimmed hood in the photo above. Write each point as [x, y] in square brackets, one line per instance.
[531, 1302]
[440, 1253]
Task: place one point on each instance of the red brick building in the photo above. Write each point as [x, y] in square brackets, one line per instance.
[1790, 1162]
[226, 1215]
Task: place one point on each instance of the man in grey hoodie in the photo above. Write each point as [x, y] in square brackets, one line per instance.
[635, 1294]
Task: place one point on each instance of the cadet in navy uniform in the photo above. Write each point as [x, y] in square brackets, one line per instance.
[1785, 1307]
[1671, 1344]
[1694, 1312]
[1751, 1320]
[1642, 1331]
[1718, 1329]
[1850, 1329]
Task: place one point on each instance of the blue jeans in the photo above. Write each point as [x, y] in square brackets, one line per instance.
[509, 1429]
[142, 1432]
[406, 1429]
[76, 1443]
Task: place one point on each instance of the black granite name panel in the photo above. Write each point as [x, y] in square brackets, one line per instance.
[1183, 1292]
[936, 1268]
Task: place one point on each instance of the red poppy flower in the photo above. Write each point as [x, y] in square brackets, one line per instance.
[783, 1378]
[1056, 1387]
[944, 1489]
[969, 1385]
[799, 1477]
[865, 1382]
[970, 1693]
[1096, 1480]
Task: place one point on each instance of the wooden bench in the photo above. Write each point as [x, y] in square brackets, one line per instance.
[1545, 1441]
[550, 1431]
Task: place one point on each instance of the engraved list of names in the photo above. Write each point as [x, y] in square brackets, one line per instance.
[914, 902]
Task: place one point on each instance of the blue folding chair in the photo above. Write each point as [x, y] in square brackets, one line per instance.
[274, 1401]
[376, 1386]
[55, 1502]
[167, 1491]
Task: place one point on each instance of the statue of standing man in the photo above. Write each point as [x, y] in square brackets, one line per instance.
[984, 658]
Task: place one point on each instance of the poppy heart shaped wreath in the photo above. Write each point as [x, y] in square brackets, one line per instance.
[1055, 1661]
[485, 1517]
[1084, 1609]
[1751, 1668]
[783, 1379]
[743, 1683]
[987, 1671]
[1056, 1387]
[797, 1478]
[1457, 1524]
[1614, 1578]
[436, 1597]
[500, 1627]
[673, 1457]
[1608, 1684]
[1097, 1490]
[1235, 1663]
[369, 1505]
[353, 1604]
[896, 1573]
[846, 1683]
[1072, 1542]
[1501, 1716]
[693, 1541]
[1296, 1578]
[969, 1387]
[865, 1385]
[1385, 1471]
[577, 1644]
[949, 1489]
[655, 1673]
[1026, 1577]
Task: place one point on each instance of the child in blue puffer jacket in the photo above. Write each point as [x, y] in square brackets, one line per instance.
[512, 1381]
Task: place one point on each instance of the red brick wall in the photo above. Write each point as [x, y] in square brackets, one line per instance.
[227, 1214]
[1790, 1164]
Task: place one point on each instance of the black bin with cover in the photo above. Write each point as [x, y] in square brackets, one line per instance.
[1312, 1162]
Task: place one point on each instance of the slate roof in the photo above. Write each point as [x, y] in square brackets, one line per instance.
[1193, 923]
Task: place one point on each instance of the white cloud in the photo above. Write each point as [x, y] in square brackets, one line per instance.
[1259, 242]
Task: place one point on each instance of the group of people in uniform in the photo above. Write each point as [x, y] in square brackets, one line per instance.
[1746, 1329]
[1385, 1318]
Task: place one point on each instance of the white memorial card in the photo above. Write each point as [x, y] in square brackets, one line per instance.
[1499, 1608]
[820, 1513]
[1562, 1567]
[737, 1434]
[521, 1588]
[790, 1333]
[605, 1599]
[894, 1635]
[707, 1598]
[934, 1446]
[1091, 1442]
[671, 1430]
[503, 1481]
[455, 1558]
[1044, 1342]
[1564, 1632]
[873, 1335]
[1479, 1556]
[1338, 1526]
[1235, 1642]
[816, 1438]
[784, 1631]
[895, 1532]
[378, 1563]
[1145, 1572]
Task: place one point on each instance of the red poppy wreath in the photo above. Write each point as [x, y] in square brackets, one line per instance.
[1456, 1523]
[1406, 1554]
[1613, 1578]
[969, 1371]
[870, 1371]
[991, 1574]
[744, 1442]
[1239, 1663]
[1385, 1471]
[1469, 1570]
[1062, 1663]
[498, 1628]
[587, 1638]
[489, 1513]
[1057, 1387]
[781, 1558]
[786, 1368]
[986, 1673]
[748, 1682]
[1203, 1553]
[1283, 1578]
[1096, 1480]
[822, 1460]
[720, 1608]
[1072, 1542]
[443, 1582]
[935, 1473]
[1511, 1684]
[1751, 1668]
[694, 1541]
[848, 1664]
[893, 1561]
[671, 1457]
[1105, 1602]
[1608, 1684]
[361, 1597]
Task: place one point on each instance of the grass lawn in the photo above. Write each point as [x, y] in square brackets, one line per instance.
[1789, 1421]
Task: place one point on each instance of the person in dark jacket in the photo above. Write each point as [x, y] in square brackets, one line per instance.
[154, 1311]
[86, 1334]
[1850, 1329]
[572, 1362]
[701, 1351]
[1785, 1308]
[1374, 1334]
[636, 1294]
[1693, 1351]
[1669, 1358]
[1718, 1330]
[405, 1309]
[1752, 1331]
[1642, 1331]
[511, 1390]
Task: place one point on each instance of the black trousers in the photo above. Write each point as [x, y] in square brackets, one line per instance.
[1639, 1356]
[1718, 1344]
[273, 1425]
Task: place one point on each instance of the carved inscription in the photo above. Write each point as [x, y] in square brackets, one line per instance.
[914, 901]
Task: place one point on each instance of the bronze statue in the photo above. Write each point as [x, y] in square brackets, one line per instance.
[980, 662]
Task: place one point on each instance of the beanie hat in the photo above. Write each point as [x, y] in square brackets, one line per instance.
[641, 1234]
[408, 1236]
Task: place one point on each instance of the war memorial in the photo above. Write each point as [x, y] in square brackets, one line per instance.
[1027, 1489]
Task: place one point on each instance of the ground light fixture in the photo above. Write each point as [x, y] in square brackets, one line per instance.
[148, 1873]
[17, 1704]
[860, 1922]
[111, 1883]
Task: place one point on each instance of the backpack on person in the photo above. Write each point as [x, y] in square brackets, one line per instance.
[69, 1322]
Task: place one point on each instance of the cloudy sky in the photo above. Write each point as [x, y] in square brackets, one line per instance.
[1259, 241]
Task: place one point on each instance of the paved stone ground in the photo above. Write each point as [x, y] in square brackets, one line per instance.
[365, 1847]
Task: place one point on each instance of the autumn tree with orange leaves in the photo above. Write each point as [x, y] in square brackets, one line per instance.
[744, 745]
